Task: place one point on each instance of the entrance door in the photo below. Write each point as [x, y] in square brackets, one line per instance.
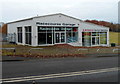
[95, 41]
[59, 37]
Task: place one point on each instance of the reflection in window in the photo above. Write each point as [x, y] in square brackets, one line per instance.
[95, 33]
[103, 38]
[86, 38]
[72, 35]
[28, 35]
[45, 35]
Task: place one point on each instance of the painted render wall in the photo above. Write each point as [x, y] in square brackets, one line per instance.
[12, 28]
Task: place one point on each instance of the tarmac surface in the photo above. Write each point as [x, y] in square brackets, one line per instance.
[57, 65]
[13, 58]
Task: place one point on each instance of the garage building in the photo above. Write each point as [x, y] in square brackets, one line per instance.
[57, 29]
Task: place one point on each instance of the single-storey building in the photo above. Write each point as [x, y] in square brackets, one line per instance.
[57, 29]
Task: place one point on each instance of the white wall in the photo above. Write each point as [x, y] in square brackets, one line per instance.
[12, 28]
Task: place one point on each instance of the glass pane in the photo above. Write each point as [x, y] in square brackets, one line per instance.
[29, 28]
[103, 38]
[75, 29]
[93, 40]
[86, 38]
[57, 35]
[19, 30]
[26, 38]
[49, 38]
[30, 38]
[49, 29]
[62, 37]
[97, 40]
[41, 29]
[75, 36]
[20, 37]
[87, 41]
[69, 37]
[69, 29]
[41, 38]
[59, 28]
[28, 35]
[94, 33]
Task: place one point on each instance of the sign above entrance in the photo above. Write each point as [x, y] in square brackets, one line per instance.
[58, 29]
[56, 24]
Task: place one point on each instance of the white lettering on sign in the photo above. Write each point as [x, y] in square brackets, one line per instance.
[55, 28]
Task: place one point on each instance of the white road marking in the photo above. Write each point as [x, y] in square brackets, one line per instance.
[19, 79]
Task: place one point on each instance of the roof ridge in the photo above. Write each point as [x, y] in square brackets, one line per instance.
[44, 16]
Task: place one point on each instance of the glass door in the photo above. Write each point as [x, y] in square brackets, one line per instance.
[59, 37]
[62, 37]
[95, 41]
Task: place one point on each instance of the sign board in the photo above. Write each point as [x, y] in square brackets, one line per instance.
[56, 24]
[94, 30]
[59, 29]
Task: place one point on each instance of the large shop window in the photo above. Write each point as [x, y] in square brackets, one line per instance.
[86, 38]
[45, 35]
[53, 35]
[103, 38]
[71, 34]
[19, 31]
[94, 38]
[28, 35]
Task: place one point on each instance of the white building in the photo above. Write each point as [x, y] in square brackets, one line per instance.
[57, 29]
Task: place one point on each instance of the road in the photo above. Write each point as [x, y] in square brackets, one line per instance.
[69, 66]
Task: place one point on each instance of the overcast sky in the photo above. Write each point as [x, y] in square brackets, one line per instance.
[106, 10]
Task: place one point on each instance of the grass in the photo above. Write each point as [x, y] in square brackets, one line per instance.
[54, 51]
[114, 37]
